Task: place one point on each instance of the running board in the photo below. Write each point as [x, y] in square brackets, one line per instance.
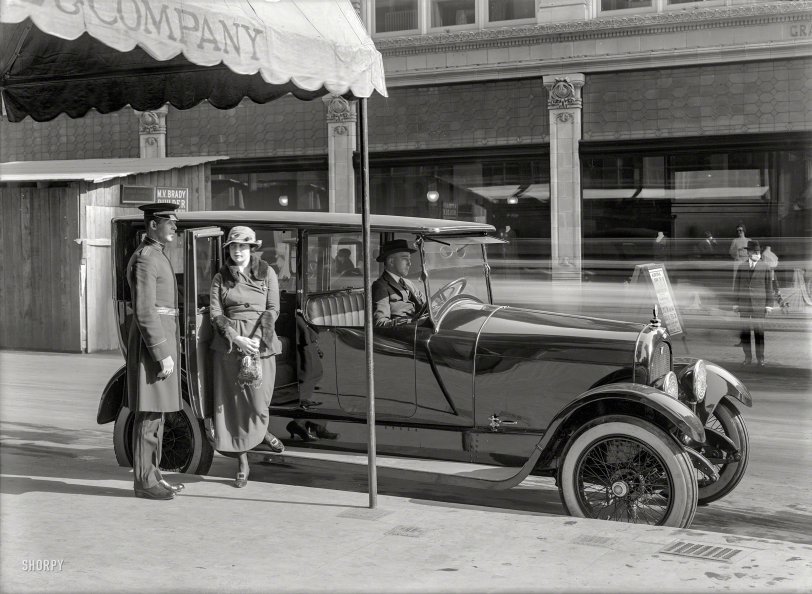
[442, 472]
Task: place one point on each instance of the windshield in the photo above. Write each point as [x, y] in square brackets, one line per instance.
[455, 267]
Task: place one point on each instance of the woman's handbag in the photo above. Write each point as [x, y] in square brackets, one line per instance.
[250, 373]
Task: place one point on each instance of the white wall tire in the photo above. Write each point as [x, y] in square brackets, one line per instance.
[626, 469]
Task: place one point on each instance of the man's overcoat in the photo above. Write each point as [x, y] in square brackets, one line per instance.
[753, 289]
[391, 301]
[154, 332]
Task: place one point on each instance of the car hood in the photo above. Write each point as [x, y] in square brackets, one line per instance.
[511, 332]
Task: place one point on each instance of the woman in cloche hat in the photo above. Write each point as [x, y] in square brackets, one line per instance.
[244, 308]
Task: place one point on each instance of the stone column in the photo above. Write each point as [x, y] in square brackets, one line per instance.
[564, 106]
[341, 142]
[152, 132]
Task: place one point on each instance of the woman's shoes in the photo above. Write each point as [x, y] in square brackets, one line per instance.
[296, 430]
[241, 480]
[274, 443]
[319, 431]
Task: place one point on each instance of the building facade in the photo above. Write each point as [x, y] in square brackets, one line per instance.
[565, 123]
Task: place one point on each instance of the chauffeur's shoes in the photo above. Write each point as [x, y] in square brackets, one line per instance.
[176, 488]
[320, 431]
[296, 430]
[157, 492]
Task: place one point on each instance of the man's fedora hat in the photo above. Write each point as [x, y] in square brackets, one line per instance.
[393, 247]
[160, 210]
[242, 234]
[753, 246]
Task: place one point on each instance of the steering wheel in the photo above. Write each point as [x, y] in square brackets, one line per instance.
[448, 291]
[352, 272]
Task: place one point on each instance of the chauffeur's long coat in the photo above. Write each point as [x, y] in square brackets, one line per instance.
[153, 335]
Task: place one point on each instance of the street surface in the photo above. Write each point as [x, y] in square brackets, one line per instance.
[48, 408]
[69, 523]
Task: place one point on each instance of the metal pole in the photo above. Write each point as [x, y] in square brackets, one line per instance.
[371, 442]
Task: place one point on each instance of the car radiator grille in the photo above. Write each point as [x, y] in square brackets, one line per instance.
[660, 361]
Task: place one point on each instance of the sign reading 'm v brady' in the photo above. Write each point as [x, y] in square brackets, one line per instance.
[143, 194]
[163, 27]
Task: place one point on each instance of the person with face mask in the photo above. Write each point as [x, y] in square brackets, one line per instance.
[754, 299]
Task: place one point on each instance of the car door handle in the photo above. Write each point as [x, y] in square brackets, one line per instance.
[496, 422]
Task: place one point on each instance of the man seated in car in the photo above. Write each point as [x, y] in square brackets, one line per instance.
[395, 300]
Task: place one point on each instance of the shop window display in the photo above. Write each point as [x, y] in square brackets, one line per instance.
[512, 194]
[270, 190]
[683, 208]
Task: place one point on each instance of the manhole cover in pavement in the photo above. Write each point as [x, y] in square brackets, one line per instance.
[364, 513]
[701, 551]
[411, 531]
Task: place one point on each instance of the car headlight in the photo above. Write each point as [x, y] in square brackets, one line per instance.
[669, 384]
[699, 375]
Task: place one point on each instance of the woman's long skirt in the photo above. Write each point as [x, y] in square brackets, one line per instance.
[240, 412]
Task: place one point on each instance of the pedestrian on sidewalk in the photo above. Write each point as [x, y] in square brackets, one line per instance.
[754, 299]
[153, 386]
[244, 309]
[738, 251]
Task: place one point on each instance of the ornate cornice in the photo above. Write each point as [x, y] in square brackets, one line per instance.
[650, 23]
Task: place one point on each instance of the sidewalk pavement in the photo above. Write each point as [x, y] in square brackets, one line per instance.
[272, 537]
[64, 501]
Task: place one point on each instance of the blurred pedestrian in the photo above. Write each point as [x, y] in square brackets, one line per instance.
[706, 248]
[153, 385]
[754, 299]
[244, 309]
[738, 250]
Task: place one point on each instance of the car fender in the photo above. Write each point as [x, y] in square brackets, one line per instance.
[721, 384]
[677, 413]
[112, 397]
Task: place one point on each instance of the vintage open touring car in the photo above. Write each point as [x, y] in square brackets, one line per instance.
[629, 433]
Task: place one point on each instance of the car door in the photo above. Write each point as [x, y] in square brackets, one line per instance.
[202, 258]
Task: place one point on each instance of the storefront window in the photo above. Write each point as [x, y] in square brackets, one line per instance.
[511, 193]
[395, 15]
[510, 10]
[449, 13]
[270, 190]
[663, 207]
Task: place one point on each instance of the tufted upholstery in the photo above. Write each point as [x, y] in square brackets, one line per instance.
[344, 308]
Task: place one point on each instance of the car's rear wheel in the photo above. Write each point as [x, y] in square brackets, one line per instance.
[184, 448]
[626, 469]
[726, 419]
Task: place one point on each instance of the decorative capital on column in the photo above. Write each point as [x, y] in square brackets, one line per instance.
[339, 110]
[152, 132]
[564, 91]
[152, 122]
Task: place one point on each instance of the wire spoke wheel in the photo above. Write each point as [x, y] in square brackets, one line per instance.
[178, 444]
[626, 469]
[623, 480]
[184, 447]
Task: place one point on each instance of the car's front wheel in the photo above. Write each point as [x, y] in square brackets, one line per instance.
[626, 469]
[725, 419]
[184, 448]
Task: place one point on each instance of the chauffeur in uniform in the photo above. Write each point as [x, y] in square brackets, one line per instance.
[153, 383]
[395, 299]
